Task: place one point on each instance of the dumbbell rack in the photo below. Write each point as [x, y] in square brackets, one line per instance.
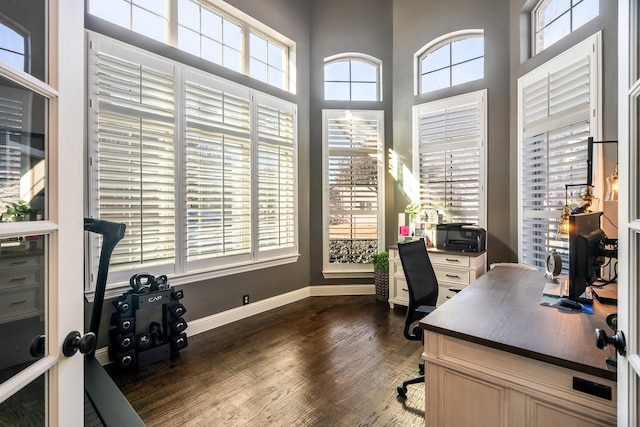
[148, 327]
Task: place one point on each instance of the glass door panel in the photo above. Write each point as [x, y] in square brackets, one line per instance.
[23, 127]
[27, 407]
[23, 325]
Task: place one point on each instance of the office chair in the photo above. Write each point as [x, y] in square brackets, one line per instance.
[423, 295]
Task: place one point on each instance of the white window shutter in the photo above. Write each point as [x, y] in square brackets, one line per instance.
[354, 147]
[218, 171]
[133, 121]
[276, 170]
[12, 106]
[557, 101]
[450, 135]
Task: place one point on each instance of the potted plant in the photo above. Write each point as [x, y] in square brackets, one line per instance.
[18, 211]
[381, 275]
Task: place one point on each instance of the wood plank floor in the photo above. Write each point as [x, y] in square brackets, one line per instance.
[322, 361]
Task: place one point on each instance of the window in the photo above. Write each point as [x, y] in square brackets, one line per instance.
[558, 110]
[352, 78]
[14, 44]
[208, 34]
[218, 194]
[449, 137]
[268, 60]
[554, 19]
[353, 202]
[451, 60]
[220, 34]
[147, 17]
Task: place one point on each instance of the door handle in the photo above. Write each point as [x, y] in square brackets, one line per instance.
[617, 341]
[74, 342]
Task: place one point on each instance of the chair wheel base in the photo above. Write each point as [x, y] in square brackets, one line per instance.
[402, 391]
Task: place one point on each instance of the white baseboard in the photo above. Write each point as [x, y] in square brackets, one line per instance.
[204, 324]
[337, 290]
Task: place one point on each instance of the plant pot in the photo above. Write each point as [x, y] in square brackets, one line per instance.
[381, 280]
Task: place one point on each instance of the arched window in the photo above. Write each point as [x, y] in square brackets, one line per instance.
[450, 60]
[555, 19]
[14, 44]
[352, 77]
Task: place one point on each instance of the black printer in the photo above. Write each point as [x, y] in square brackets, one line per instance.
[462, 237]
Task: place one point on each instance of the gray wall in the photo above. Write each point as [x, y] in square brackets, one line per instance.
[340, 26]
[416, 23]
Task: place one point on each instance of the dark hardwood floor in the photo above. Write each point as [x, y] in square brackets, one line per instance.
[322, 361]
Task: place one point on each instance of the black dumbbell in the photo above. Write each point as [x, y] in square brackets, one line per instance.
[178, 326]
[179, 342]
[177, 310]
[125, 324]
[122, 305]
[176, 295]
[126, 359]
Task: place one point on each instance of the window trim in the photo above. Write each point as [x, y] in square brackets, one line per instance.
[350, 270]
[433, 46]
[477, 96]
[355, 56]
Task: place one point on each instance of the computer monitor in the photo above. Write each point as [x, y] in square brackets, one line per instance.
[585, 253]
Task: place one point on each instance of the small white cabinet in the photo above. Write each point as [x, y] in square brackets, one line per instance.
[454, 270]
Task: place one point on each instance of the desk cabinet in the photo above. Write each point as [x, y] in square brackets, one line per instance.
[474, 385]
[454, 270]
[21, 285]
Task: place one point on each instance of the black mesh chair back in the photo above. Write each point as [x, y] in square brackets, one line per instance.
[421, 282]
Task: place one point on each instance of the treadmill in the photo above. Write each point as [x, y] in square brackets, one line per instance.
[104, 405]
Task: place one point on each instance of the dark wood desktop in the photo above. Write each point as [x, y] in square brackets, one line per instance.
[495, 335]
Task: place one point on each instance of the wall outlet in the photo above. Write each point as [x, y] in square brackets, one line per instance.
[245, 299]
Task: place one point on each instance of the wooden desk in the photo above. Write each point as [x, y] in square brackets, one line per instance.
[496, 357]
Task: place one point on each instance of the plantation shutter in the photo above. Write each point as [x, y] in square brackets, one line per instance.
[12, 106]
[276, 176]
[450, 135]
[354, 153]
[556, 104]
[132, 124]
[218, 171]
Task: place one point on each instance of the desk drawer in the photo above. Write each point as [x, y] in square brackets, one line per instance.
[459, 277]
[402, 289]
[14, 278]
[27, 261]
[18, 301]
[449, 259]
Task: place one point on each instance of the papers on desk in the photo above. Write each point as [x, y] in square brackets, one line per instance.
[556, 288]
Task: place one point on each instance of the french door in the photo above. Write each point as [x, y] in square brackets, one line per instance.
[629, 210]
[41, 227]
